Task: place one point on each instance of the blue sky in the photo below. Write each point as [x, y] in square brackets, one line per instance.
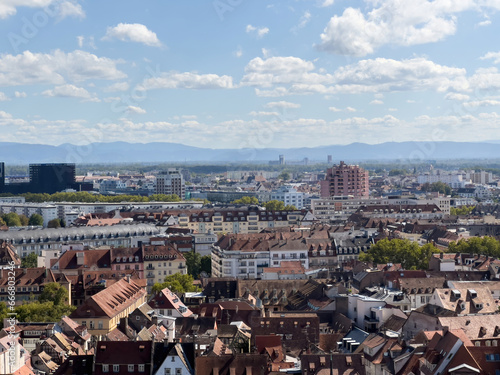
[241, 73]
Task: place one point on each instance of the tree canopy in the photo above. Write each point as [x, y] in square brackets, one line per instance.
[86, 197]
[476, 245]
[51, 306]
[409, 254]
[177, 284]
[275, 205]
[30, 261]
[12, 219]
[246, 200]
[54, 223]
[196, 263]
[439, 187]
[36, 220]
[464, 210]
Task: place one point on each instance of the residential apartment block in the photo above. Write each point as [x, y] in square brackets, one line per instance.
[238, 221]
[170, 182]
[339, 208]
[345, 180]
[161, 261]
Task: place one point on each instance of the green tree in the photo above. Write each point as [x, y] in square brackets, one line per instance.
[274, 205]
[285, 176]
[36, 220]
[464, 210]
[164, 198]
[476, 245]
[36, 311]
[193, 263]
[12, 219]
[206, 264]
[30, 261]
[2, 222]
[177, 284]
[54, 223]
[409, 254]
[24, 220]
[246, 200]
[54, 292]
[3, 313]
[439, 187]
[397, 172]
[290, 207]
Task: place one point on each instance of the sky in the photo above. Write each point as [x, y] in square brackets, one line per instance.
[249, 73]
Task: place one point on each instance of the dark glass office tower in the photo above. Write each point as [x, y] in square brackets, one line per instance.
[51, 178]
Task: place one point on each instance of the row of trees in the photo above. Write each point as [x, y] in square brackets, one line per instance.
[86, 197]
[465, 210]
[14, 220]
[439, 187]
[273, 205]
[476, 245]
[409, 254]
[51, 306]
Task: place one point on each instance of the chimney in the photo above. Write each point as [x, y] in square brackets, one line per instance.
[232, 370]
[445, 330]
[249, 370]
[441, 255]
[216, 371]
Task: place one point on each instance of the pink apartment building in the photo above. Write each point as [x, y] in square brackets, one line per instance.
[345, 179]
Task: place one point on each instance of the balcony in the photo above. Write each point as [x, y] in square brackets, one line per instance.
[150, 268]
[371, 320]
[150, 275]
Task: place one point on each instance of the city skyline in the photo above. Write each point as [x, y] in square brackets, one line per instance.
[240, 74]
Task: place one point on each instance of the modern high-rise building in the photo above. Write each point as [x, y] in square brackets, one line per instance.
[2, 176]
[51, 178]
[171, 182]
[345, 180]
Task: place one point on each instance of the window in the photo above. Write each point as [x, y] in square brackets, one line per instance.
[167, 371]
[116, 368]
[91, 324]
[172, 359]
[141, 368]
[99, 324]
[105, 368]
[84, 323]
[178, 371]
[130, 368]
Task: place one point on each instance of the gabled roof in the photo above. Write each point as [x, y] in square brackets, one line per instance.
[129, 352]
[166, 299]
[111, 301]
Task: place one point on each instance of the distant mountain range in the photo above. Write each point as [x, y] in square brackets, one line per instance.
[122, 152]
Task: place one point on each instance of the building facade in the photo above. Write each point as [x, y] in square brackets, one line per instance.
[171, 182]
[345, 180]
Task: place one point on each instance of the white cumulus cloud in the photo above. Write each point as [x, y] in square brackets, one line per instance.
[56, 67]
[258, 31]
[68, 91]
[282, 104]
[136, 110]
[187, 80]
[133, 32]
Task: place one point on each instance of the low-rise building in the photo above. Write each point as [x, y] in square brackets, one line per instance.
[101, 313]
[161, 261]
